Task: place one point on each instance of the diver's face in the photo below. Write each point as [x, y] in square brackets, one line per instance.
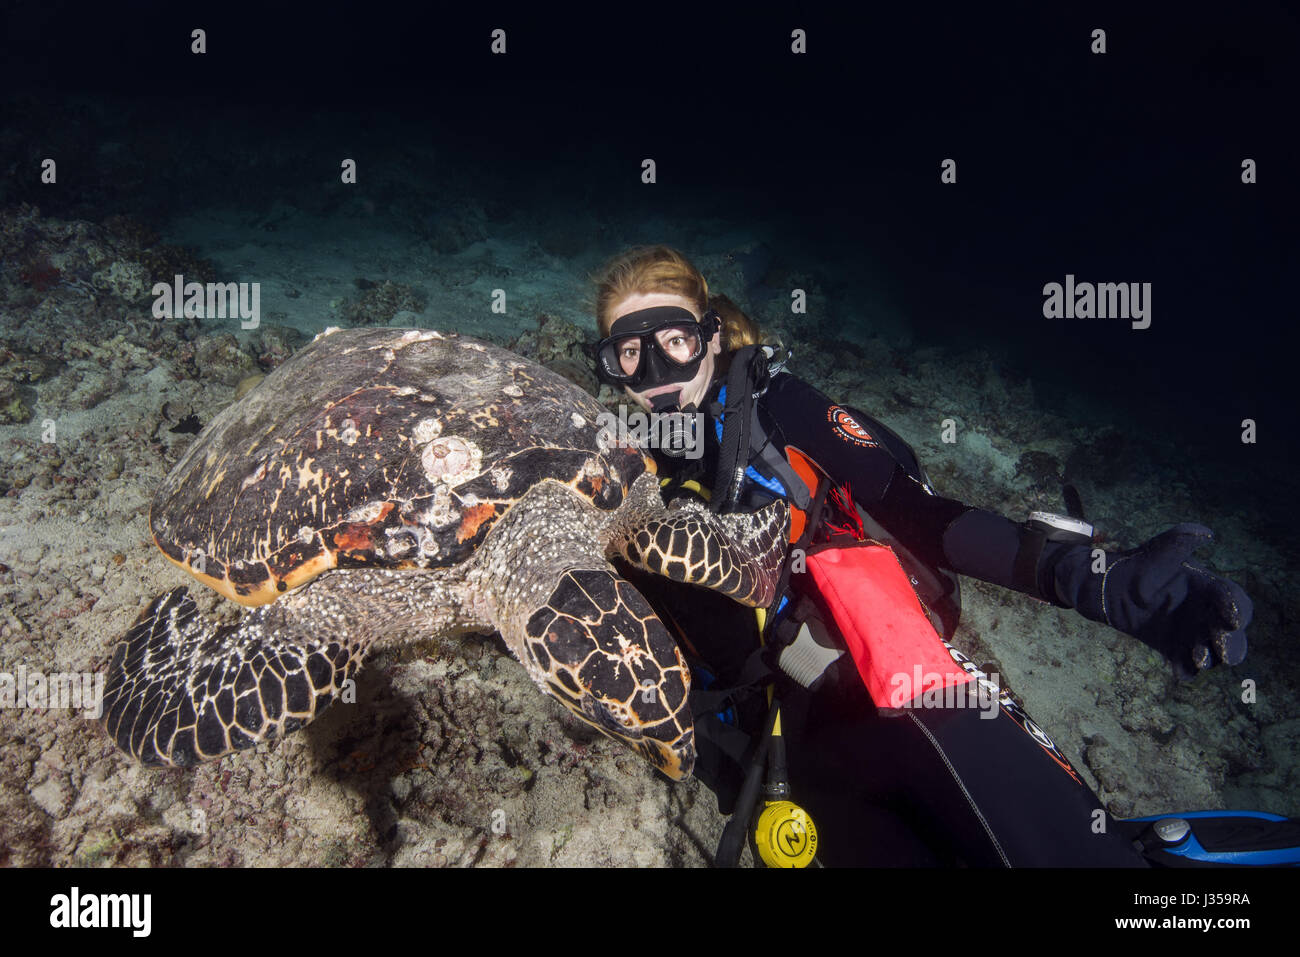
[691, 392]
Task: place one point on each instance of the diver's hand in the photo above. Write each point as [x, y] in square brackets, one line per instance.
[1154, 593]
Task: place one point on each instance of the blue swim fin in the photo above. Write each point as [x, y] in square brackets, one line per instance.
[1216, 839]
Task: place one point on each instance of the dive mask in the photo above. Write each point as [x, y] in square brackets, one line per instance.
[655, 347]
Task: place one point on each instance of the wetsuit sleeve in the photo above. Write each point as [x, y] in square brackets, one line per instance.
[856, 450]
[968, 540]
[952, 534]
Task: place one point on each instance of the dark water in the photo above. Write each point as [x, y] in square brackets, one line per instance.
[1116, 168]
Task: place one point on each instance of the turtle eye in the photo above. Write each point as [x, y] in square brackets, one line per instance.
[604, 717]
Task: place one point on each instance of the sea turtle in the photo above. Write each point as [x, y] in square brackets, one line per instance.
[389, 484]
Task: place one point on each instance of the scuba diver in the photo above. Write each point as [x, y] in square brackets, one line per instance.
[900, 750]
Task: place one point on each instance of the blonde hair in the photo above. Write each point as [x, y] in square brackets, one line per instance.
[651, 269]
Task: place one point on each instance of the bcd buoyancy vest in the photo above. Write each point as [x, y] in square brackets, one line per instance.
[869, 597]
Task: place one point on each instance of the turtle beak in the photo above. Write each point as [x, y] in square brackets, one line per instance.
[669, 745]
[676, 760]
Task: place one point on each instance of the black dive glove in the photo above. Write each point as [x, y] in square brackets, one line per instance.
[1154, 593]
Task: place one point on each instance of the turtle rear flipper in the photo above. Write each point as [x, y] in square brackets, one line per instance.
[182, 689]
[739, 555]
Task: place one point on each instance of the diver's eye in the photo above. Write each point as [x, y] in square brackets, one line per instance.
[628, 359]
[679, 344]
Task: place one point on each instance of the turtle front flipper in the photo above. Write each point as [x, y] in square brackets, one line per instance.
[598, 648]
[739, 555]
[182, 689]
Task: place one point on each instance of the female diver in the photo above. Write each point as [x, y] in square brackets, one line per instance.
[892, 770]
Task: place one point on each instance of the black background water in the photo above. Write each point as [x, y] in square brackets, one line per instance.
[1117, 168]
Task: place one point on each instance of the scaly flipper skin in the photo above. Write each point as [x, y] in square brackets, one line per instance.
[739, 555]
[608, 659]
[182, 689]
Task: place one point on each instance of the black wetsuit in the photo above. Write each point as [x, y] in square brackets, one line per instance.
[932, 786]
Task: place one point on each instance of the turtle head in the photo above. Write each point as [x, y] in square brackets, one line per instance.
[598, 648]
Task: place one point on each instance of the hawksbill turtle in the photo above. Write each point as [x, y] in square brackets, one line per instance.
[388, 485]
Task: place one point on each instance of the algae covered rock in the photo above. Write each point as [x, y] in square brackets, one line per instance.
[275, 343]
[128, 281]
[380, 302]
[12, 408]
[221, 358]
